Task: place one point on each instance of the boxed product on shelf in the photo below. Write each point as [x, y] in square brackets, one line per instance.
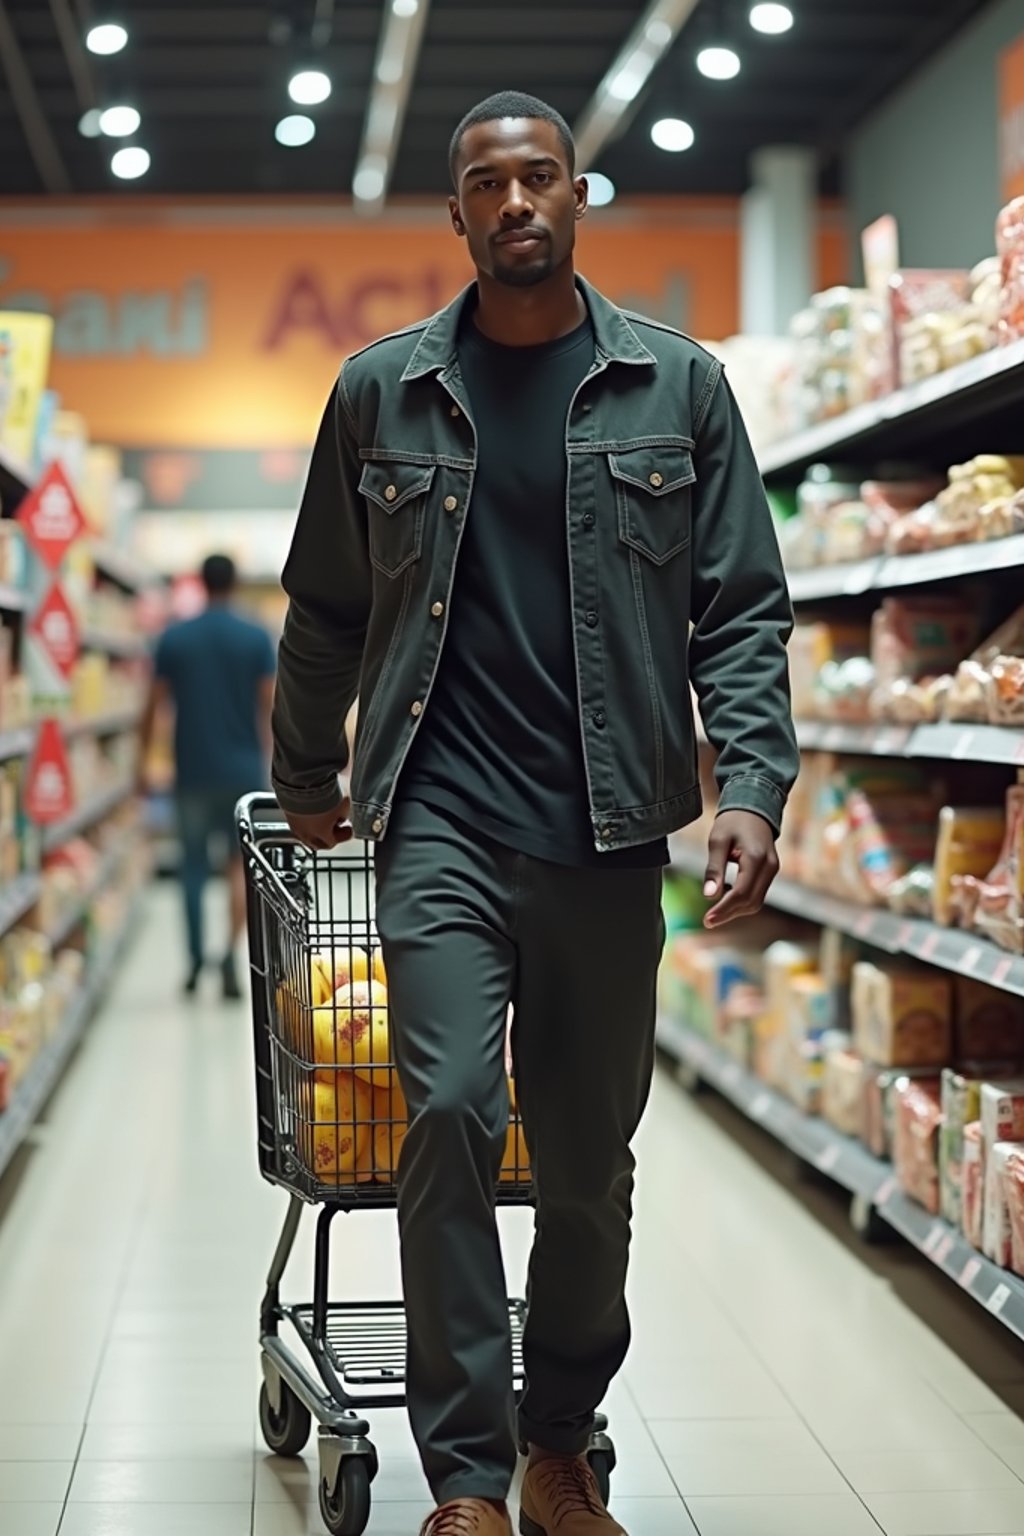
[838, 953]
[784, 961]
[961, 1102]
[1010, 246]
[1013, 1188]
[13, 556]
[902, 1015]
[818, 652]
[973, 1184]
[994, 905]
[918, 1104]
[916, 645]
[842, 1086]
[989, 1024]
[801, 1063]
[996, 1234]
[741, 1013]
[1002, 1112]
[969, 840]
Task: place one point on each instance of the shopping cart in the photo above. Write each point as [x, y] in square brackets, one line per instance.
[330, 1123]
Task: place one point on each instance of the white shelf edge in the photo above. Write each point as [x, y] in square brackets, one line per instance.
[944, 741]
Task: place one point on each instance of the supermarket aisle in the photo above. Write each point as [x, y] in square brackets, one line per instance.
[777, 1385]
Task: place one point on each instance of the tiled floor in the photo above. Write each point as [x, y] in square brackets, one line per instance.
[780, 1384]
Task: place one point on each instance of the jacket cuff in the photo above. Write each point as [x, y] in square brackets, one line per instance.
[307, 802]
[749, 792]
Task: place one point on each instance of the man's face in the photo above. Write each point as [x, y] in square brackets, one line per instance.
[516, 203]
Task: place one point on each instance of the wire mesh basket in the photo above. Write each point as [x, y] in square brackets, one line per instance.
[331, 1113]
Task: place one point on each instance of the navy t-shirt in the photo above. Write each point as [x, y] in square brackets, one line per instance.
[500, 746]
[215, 666]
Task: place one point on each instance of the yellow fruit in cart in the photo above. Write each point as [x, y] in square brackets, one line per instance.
[391, 1116]
[365, 1170]
[355, 1032]
[352, 966]
[515, 1165]
[289, 1012]
[335, 1127]
[322, 977]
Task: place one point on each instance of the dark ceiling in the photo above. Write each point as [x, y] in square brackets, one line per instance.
[209, 77]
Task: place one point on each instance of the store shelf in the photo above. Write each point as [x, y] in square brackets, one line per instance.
[12, 599]
[45, 1072]
[124, 647]
[948, 948]
[122, 568]
[946, 742]
[104, 725]
[989, 386]
[887, 572]
[17, 898]
[16, 743]
[87, 815]
[78, 911]
[853, 1167]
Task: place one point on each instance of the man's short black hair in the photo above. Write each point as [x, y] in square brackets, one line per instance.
[512, 104]
[219, 575]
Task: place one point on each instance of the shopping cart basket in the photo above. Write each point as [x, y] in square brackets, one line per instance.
[331, 1119]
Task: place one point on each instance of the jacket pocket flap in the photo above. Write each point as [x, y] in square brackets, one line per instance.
[390, 485]
[654, 470]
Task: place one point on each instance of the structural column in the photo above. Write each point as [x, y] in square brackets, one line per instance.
[779, 239]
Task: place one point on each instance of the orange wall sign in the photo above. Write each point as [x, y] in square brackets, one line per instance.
[225, 328]
[1011, 120]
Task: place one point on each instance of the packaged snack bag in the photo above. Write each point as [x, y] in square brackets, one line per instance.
[1010, 246]
[999, 898]
[1013, 1186]
[996, 1233]
[1002, 1112]
[961, 1101]
[809, 1023]
[989, 1024]
[783, 962]
[880, 1105]
[969, 840]
[842, 1089]
[916, 1139]
[973, 1184]
[902, 1016]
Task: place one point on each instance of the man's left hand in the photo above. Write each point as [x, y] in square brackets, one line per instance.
[745, 839]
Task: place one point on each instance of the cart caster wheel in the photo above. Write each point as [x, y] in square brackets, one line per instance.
[867, 1221]
[345, 1510]
[287, 1431]
[602, 1464]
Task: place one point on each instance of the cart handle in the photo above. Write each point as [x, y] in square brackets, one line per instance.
[259, 819]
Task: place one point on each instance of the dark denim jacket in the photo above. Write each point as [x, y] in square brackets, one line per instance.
[668, 528]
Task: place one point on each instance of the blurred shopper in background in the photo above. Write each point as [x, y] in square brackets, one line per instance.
[216, 672]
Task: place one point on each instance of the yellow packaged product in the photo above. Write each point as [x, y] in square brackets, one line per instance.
[968, 844]
[783, 962]
[842, 1087]
[902, 1017]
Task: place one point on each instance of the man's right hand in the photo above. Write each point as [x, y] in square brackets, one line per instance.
[324, 830]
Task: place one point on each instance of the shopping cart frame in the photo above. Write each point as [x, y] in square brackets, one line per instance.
[291, 1397]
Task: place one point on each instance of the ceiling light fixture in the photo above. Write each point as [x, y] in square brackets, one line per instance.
[601, 189]
[106, 37]
[771, 19]
[131, 162]
[119, 122]
[718, 63]
[368, 181]
[295, 130]
[673, 134]
[89, 123]
[405, 8]
[309, 87]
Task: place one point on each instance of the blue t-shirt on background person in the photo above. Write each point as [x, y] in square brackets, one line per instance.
[215, 667]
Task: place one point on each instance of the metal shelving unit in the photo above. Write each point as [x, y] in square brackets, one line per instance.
[854, 1168]
[122, 647]
[986, 389]
[85, 816]
[104, 725]
[17, 899]
[78, 910]
[944, 742]
[948, 948]
[16, 743]
[886, 572]
[45, 1072]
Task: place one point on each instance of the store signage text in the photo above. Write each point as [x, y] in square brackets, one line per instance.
[163, 322]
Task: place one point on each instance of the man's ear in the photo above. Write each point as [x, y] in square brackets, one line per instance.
[456, 217]
[581, 187]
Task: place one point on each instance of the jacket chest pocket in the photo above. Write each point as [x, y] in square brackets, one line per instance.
[653, 491]
[396, 496]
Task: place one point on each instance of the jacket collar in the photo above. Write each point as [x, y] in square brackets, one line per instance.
[615, 338]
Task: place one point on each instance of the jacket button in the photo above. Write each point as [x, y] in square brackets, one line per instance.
[416, 710]
[588, 519]
[599, 719]
[437, 609]
[605, 832]
[657, 480]
[455, 411]
[451, 503]
[378, 826]
[390, 493]
[588, 405]
[591, 619]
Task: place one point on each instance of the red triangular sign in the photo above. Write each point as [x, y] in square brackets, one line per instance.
[57, 629]
[49, 795]
[51, 516]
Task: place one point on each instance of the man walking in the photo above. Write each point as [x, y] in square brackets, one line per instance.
[515, 511]
[216, 672]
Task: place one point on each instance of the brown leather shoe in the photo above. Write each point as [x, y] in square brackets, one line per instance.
[560, 1497]
[468, 1517]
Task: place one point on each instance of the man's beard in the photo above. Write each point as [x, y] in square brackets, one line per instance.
[525, 274]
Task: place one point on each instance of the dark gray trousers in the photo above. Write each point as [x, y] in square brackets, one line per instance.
[467, 927]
